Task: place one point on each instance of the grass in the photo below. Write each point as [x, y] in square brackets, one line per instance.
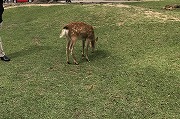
[133, 74]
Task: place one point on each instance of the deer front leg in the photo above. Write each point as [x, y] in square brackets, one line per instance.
[73, 41]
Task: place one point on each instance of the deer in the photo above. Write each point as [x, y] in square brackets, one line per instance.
[78, 30]
[171, 7]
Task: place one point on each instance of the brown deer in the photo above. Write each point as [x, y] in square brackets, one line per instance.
[78, 30]
[171, 7]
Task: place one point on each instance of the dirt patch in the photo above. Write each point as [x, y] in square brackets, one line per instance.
[117, 5]
[8, 6]
[14, 5]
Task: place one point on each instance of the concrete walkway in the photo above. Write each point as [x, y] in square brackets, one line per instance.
[99, 1]
[61, 2]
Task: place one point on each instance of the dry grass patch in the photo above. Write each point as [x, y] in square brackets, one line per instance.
[162, 17]
[118, 5]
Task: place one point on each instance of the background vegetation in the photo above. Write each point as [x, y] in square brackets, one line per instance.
[134, 73]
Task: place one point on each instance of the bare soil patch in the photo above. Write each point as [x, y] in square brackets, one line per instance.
[8, 6]
[161, 16]
[117, 5]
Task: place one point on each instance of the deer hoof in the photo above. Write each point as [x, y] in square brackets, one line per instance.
[68, 62]
[76, 63]
[83, 57]
[87, 60]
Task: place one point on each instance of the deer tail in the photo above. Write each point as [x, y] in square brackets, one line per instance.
[64, 32]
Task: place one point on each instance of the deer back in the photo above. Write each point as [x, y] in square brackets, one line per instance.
[81, 30]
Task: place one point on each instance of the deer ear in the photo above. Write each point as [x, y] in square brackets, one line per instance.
[96, 39]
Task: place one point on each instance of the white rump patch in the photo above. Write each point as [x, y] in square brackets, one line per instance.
[63, 33]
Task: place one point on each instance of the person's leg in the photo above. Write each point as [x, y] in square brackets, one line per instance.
[1, 49]
[2, 53]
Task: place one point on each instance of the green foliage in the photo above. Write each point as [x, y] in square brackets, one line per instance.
[133, 74]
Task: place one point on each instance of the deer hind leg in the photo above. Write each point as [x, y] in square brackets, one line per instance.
[68, 50]
[87, 46]
[73, 41]
[83, 45]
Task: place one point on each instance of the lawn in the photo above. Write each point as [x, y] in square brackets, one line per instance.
[133, 74]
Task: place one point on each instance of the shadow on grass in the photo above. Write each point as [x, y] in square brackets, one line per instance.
[98, 55]
[29, 50]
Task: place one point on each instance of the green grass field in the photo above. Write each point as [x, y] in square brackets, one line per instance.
[133, 74]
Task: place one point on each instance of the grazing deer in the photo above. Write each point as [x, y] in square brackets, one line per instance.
[171, 7]
[78, 30]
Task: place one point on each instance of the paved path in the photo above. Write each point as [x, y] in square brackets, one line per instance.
[99, 1]
[61, 2]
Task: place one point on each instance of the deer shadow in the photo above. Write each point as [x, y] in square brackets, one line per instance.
[28, 51]
[98, 55]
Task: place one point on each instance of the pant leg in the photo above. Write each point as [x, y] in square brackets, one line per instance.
[1, 12]
[2, 53]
